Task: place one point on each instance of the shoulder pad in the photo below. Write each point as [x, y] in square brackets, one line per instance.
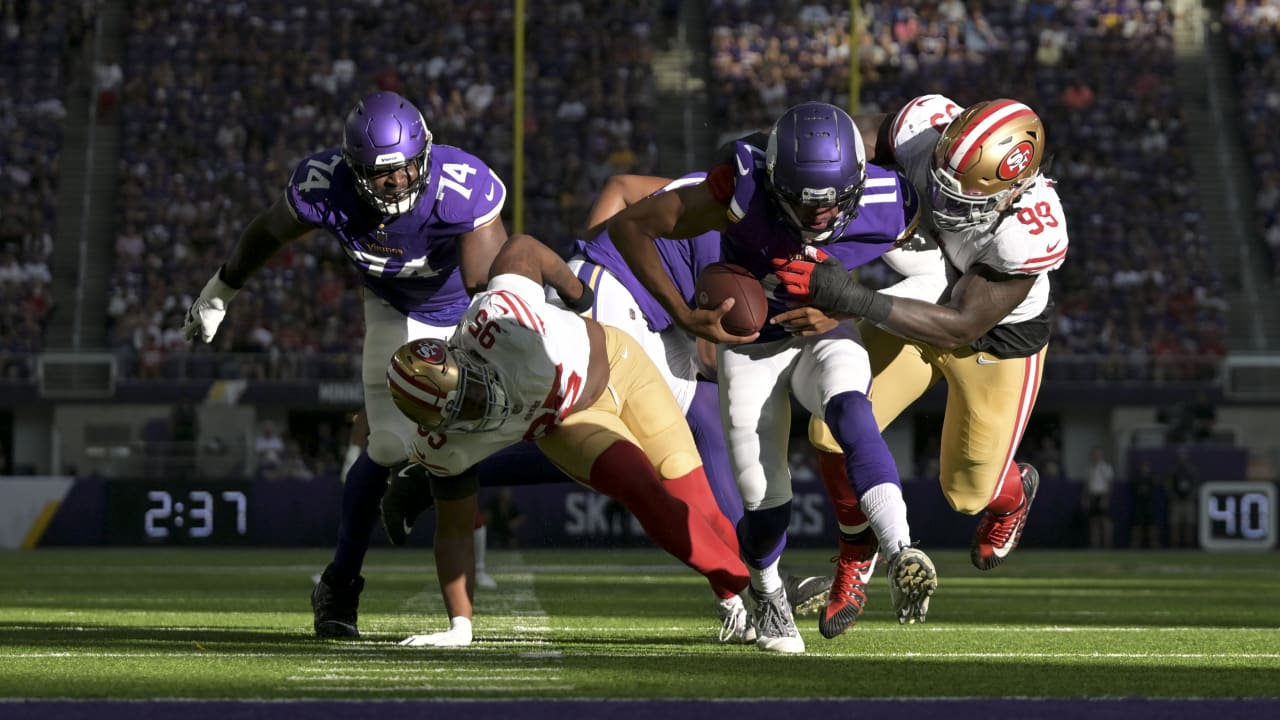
[467, 191]
[927, 113]
[1032, 239]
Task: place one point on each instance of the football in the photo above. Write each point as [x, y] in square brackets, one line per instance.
[725, 280]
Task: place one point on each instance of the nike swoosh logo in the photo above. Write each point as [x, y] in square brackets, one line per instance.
[489, 195]
[1051, 248]
[404, 471]
[624, 353]
[407, 527]
[742, 169]
[984, 360]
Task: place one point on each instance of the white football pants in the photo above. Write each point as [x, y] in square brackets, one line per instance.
[756, 382]
[385, 330]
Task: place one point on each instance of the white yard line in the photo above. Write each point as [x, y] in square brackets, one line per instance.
[420, 654]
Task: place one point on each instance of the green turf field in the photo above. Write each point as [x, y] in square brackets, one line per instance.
[91, 623]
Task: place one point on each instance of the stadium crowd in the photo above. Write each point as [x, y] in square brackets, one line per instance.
[32, 108]
[1253, 37]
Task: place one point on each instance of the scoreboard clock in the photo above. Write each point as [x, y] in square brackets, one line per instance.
[177, 513]
[1237, 516]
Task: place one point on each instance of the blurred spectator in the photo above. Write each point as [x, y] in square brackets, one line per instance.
[1183, 492]
[106, 85]
[1078, 96]
[1047, 457]
[1143, 530]
[1098, 490]
[1204, 418]
[269, 446]
[291, 465]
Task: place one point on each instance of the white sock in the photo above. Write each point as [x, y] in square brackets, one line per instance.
[887, 513]
[767, 580]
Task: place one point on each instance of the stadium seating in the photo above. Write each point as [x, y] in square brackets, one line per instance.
[37, 45]
[1253, 33]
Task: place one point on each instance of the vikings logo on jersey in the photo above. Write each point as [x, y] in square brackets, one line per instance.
[409, 260]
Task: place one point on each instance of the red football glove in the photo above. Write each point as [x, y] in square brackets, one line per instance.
[827, 286]
[795, 277]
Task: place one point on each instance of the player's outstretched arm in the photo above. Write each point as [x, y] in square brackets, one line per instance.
[262, 239]
[454, 551]
[979, 300]
[527, 256]
[679, 214]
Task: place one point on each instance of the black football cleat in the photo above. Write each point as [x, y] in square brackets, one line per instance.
[334, 603]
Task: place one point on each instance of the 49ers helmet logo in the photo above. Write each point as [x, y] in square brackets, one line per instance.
[1016, 160]
[431, 350]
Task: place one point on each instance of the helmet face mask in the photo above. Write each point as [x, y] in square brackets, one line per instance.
[955, 212]
[445, 389]
[984, 158]
[815, 169]
[387, 146]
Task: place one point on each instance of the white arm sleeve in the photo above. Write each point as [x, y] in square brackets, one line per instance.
[922, 263]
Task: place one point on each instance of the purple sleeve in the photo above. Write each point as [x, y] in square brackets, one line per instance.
[314, 184]
[748, 163]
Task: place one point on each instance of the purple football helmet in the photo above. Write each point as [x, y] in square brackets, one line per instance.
[385, 133]
[815, 169]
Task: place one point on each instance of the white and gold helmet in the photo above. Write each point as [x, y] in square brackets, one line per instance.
[445, 389]
[986, 154]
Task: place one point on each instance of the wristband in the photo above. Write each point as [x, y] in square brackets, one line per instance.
[584, 302]
[879, 307]
[222, 278]
[219, 288]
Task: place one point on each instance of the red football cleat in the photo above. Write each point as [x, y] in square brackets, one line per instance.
[998, 535]
[848, 596]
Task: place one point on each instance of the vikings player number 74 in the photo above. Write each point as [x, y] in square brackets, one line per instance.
[318, 173]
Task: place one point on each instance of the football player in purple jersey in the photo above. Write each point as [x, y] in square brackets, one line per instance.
[809, 193]
[420, 223]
